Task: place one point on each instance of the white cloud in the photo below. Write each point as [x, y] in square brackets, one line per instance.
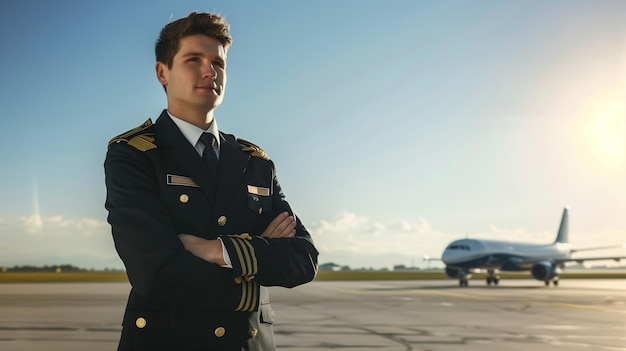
[32, 224]
[63, 227]
[359, 234]
[33, 239]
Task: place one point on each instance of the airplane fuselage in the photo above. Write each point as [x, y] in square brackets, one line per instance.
[544, 261]
[467, 254]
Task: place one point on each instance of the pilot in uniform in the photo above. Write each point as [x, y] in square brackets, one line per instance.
[159, 188]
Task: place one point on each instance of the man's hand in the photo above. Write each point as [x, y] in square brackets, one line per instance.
[208, 250]
[283, 226]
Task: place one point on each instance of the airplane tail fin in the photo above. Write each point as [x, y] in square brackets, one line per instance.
[562, 236]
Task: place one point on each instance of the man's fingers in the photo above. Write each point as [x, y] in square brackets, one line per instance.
[291, 234]
[276, 222]
[287, 227]
[282, 226]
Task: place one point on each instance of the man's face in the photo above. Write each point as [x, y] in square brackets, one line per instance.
[197, 78]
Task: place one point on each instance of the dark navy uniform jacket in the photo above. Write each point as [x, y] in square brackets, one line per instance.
[159, 187]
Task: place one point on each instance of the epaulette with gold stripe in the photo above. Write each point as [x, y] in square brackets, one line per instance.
[253, 149]
[138, 137]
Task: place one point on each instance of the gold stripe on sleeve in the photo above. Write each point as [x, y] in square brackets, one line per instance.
[249, 298]
[240, 255]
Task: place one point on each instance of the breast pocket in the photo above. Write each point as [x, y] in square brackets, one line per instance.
[259, 199]
[259, 204]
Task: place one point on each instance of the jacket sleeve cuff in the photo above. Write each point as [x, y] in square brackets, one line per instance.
[242, 255]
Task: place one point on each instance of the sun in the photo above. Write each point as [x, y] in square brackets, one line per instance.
[607, 133]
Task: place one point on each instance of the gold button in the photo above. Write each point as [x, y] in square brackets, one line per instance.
[140, 323]
[184, 198]
[260, 210]
[222, 221]
[238, 280]
[220, 331]
[253, 333]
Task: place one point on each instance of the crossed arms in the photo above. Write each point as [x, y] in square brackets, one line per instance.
[164, 265]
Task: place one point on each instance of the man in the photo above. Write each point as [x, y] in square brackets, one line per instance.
[201, 224]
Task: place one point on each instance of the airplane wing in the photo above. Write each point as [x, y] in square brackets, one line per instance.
[583, 259]
[599, 248]
[603, 258]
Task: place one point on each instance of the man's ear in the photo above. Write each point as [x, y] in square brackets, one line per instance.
[162, 73]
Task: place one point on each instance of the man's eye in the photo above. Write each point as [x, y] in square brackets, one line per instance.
[193, 59]
[218, 64]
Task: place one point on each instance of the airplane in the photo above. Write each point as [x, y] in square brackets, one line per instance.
[544, 261]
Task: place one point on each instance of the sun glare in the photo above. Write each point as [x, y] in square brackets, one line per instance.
[607, 133]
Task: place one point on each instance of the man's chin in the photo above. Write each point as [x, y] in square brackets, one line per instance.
[208, 101]
[206, 107]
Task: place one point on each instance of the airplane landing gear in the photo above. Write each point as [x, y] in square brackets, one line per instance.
[463, 279]
[492, 277]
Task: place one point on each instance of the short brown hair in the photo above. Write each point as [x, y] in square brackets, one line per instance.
[209, 24]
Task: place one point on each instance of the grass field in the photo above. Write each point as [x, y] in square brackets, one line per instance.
[84, 277]
[64, 277]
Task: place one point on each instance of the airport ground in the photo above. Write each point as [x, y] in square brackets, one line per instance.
[519, 314]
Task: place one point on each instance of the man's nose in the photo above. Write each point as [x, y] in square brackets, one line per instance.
[209, 72]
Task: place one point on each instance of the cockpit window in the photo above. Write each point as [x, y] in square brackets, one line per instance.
[459, 247]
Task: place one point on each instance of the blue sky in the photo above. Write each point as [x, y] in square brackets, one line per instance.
[396, 126]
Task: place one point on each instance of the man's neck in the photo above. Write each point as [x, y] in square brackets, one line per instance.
[200, 119]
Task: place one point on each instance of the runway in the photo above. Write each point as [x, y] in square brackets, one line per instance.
[371, 315]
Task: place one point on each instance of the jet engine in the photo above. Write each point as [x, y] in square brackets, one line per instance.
[544, 271]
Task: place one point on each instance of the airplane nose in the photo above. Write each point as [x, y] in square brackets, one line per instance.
[446, 256]
[450, 256]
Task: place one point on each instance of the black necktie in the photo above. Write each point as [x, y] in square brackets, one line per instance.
[208, 156]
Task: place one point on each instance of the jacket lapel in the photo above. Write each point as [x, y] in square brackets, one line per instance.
[177, 149]
[232, 166]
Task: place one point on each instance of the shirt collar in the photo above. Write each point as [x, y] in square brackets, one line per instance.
[192, 133]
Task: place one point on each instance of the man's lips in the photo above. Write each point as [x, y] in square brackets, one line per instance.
[209, 87]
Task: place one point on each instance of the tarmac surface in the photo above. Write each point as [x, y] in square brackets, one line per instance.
[371, 315]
